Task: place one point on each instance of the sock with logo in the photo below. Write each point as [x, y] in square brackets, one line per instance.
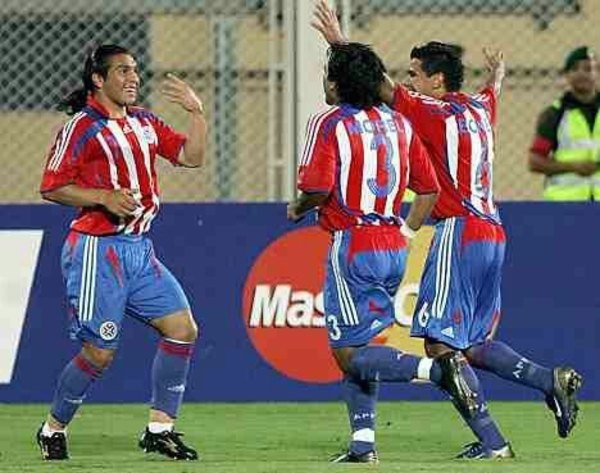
[169, 375]
[482, 424]
[383, 363]
[73, 384]
[361, 400]
[502, 360]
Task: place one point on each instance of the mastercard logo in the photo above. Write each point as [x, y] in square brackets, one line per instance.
[283, 305]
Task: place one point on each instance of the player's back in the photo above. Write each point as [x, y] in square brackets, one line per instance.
[363, 156]
[459, 136]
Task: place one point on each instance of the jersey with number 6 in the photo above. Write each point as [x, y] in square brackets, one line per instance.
[364, 159]
[458, 133]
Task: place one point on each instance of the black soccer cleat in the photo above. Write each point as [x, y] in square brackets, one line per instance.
[562, 400]
[453, 382]
[167, 443]
[350, 457]
[53, 447]
[476, 451]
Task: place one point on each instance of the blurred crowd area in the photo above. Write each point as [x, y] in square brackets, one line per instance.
[232, 52]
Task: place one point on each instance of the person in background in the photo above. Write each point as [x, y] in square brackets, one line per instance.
[566, 146]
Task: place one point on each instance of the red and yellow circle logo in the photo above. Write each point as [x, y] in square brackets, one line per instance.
[283, 305]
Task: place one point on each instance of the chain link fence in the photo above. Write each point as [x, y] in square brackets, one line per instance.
[231, 51]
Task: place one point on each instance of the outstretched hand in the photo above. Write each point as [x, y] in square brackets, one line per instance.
[325, 22]
[494, 63]
[178, 91]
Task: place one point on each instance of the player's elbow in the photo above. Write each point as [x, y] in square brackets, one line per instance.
[49, 195]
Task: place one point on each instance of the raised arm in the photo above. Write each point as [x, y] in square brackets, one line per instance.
[325, 22]
[180, 92]
[496, 69]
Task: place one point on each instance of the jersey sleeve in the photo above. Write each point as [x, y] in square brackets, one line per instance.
[318, 164]
[422, 178]
[405, 102]
[545, 139]
[412, 106]
[63, 158]
[488, 98]
[169, 141]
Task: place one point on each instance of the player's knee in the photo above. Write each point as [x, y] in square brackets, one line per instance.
[343, 358]
[435, 349]
[184, 332]
[99, 357]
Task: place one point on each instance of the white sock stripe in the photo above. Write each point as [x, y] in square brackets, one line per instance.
[364, 435]
[424, 368]
[177, 342]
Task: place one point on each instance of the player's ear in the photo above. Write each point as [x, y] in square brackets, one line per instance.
[97, 80]
[438, 80]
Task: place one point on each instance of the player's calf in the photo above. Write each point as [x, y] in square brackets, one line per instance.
[453, 382]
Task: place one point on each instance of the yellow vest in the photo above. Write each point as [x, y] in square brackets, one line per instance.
[576, 142]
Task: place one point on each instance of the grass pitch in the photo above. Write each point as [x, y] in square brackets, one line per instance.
[294, 438]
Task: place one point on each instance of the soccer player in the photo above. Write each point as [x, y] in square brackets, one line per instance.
[359, 157]
[458, 307]
[103, 162]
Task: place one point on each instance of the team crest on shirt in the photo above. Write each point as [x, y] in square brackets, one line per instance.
[109, 331]
[149, 134]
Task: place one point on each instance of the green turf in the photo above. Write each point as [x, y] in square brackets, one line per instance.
[295, 438]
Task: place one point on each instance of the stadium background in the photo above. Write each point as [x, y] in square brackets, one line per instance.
[241, 56]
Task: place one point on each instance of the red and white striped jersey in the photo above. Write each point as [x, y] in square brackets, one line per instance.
[458, 133]
[93, 151]
[364, 160]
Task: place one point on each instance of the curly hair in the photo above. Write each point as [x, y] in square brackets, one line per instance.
[97, 62]
[442, 57]
[357, 72]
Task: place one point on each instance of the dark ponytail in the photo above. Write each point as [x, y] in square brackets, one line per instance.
[97, 62]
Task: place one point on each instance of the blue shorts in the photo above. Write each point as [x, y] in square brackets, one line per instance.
[364, 269]
[459, 296]
[110, 276]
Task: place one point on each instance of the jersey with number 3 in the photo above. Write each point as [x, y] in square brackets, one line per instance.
[458, 132]
[364, 159]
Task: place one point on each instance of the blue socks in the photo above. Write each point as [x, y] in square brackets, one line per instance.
[503, 361]
[369, 366]
[482, 424]
[361, 397]
[169, 375]
[383, 363]
[73, 384]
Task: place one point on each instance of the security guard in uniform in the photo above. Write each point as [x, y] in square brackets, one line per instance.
[566, 148]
